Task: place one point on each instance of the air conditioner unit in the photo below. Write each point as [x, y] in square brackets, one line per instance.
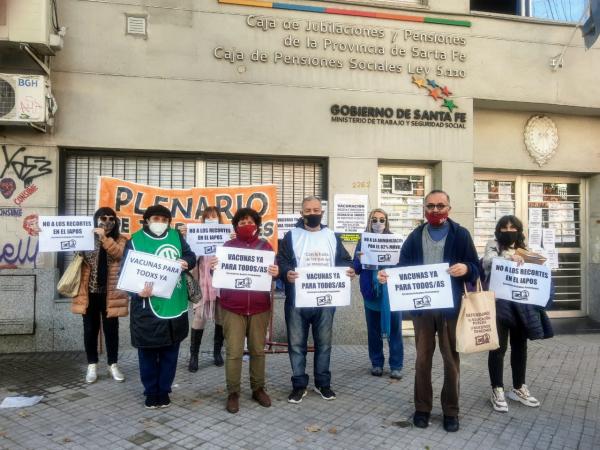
[24, 99]
[30, 22]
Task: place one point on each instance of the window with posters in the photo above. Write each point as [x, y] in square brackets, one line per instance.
[401, 195]
[551, 209]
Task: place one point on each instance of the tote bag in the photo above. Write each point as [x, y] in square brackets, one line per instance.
[68, 285]
[476, 329]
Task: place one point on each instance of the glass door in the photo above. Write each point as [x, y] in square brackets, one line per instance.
[543, 204]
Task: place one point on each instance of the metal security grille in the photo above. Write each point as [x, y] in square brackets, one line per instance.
[82, 171]
[295, 179]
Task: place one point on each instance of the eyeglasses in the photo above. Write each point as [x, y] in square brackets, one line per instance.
[380, 220]
[107, 218]
[432, 206]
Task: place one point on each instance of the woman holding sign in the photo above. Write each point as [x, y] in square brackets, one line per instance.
[381, 322]
[208, 308]
[520, 321]
[98, 299]
[246, 315]
[158, 325]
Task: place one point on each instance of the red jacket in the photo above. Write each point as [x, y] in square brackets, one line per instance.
[246, 303]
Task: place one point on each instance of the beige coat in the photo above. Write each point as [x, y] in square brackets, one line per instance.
[117, 301]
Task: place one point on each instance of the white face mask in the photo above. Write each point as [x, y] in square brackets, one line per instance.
[378, 227]
[158, 228]
[207, 220]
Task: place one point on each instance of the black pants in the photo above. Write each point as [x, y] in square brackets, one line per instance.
[157, 368]
[518, 356]
[95, 313]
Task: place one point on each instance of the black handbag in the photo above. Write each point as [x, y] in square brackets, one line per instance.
[193, 288]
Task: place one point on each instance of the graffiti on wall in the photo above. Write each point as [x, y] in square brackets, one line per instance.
[24, 173]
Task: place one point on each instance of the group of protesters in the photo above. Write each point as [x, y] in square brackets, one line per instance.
[241, 317]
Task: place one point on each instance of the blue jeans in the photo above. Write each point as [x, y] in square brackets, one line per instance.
[157, 368]
[298, 320]
[376, 341]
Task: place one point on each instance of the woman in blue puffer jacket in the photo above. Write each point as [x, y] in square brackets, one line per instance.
[381, 323]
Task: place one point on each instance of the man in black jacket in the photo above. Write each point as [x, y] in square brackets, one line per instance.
[437, 241]
[158, 325]
[309, 244]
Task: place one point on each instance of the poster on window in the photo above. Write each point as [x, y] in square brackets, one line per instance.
[527, 283]
[285, 222]
[66, 233]
[419, 288]
[350, 213]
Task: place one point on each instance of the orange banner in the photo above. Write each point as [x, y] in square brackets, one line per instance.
[130, 200]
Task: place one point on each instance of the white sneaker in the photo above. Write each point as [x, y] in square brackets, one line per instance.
[91, 375]
[522, 395]
[115, 372]
[498, 400]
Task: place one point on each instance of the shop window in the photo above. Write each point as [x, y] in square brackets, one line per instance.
[493, 199]
[295, 179]
[401, 195]
[558, 10]
[542, 203]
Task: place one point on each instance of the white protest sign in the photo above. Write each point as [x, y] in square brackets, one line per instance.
[322, 286]
[244, 269]
[528, 283]
[380, 249]
[350, 213]
[140, 268]
[419, 288]
[286, 222]
[204, 238]
[66, 233]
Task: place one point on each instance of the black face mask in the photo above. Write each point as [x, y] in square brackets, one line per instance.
[312, 220]
[507, 238]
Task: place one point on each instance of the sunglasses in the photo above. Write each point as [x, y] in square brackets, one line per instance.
[432, 206]
[380, 220]
[107, 218]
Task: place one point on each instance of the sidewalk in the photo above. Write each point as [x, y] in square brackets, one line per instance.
[370, 412]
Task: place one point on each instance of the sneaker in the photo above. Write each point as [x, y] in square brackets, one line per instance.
[151, 402]
[115, 372]
[92, 373]
[396, 374]
[421, 419]
[163, 401]
[377, 371]
[451, 424]
[261, 397]
[522, 395]
[297, 395]
[326, 393]
[498, 401]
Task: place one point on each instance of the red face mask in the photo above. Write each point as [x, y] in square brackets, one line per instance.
[246, 232]
[435, 218]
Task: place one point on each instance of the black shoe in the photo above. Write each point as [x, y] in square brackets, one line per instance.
[377, 371]
[193, 365]
[164, 401]
[421, 419]
[326, 393]
[151, 401]
[451, 424]
[297, 395]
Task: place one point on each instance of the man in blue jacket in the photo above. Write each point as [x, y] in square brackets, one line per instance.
[437, 241]
[309, 244]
